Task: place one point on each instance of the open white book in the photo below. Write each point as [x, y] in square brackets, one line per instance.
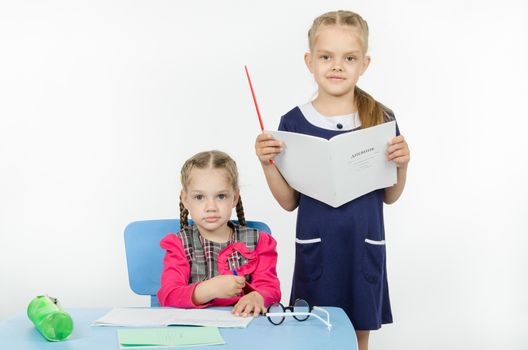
[167, 316]
[338, 170]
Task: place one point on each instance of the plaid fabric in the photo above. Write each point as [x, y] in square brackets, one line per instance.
[202, 254]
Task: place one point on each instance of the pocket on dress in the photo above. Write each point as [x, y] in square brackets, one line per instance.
[373, 260]
[308, 259]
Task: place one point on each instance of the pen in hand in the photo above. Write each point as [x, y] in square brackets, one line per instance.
[235, 273]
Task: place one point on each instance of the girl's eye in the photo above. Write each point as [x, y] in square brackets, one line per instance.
[199, 197]
[222, 196]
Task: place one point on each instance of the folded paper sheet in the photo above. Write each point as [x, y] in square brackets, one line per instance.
[168, 337]
[338, 170]
[167, 316]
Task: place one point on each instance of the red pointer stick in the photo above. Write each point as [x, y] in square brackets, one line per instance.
[256, 104]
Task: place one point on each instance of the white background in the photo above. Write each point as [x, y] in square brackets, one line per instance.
[101, 102]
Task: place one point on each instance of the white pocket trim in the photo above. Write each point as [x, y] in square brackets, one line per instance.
[369, 241]
[307, 241]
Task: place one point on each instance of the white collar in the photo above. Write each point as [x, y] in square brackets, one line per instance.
[347, 121]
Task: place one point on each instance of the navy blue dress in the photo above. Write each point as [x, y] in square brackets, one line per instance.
[340, 252]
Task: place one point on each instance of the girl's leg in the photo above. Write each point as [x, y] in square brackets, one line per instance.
[362, 337]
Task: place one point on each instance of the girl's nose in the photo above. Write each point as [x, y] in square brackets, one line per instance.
[211, 205]
[338, 65]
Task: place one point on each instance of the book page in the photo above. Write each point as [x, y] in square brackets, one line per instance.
[360, 162]
[305, 161]
[142, 338]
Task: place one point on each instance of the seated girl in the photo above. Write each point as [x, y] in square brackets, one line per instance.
[215, 262]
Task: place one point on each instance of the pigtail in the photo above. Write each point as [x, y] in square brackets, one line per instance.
[184, 214]
[240, 212]
[371, 112]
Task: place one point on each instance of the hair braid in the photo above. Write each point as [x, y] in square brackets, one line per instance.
[240, 212]
[184, 213]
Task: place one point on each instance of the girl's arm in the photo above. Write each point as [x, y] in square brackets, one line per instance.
[264, 288]
[398, 151]
[266, 148]
[264, 279]
[175, 289]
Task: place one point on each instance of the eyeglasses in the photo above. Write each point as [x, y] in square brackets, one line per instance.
[300, 310]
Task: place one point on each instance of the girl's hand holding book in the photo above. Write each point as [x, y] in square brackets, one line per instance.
[266, 148]
[398, 151]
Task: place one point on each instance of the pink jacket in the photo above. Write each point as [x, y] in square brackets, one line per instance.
[176, 292]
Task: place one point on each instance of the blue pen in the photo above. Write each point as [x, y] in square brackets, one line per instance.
[234, 271]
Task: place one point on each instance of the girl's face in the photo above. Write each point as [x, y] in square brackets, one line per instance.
[210, 198]
[337, 60]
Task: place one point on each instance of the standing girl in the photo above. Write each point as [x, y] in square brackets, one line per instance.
[340, 252]
[215, 262]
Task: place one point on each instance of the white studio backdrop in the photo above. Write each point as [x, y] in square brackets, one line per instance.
[102, 101]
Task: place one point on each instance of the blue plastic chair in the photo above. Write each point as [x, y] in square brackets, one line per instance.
[145, 256]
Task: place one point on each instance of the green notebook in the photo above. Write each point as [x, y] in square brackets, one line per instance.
[168, 337]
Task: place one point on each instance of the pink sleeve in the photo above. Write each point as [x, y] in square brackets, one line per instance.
[175, 289]
[264, 279]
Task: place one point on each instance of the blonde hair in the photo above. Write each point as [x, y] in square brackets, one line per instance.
[371, 112]
[205, 160]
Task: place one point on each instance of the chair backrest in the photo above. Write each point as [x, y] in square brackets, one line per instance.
[145, 256]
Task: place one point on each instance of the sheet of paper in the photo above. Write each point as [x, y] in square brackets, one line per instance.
[168, 337]
[338, 170]
[156, 317]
